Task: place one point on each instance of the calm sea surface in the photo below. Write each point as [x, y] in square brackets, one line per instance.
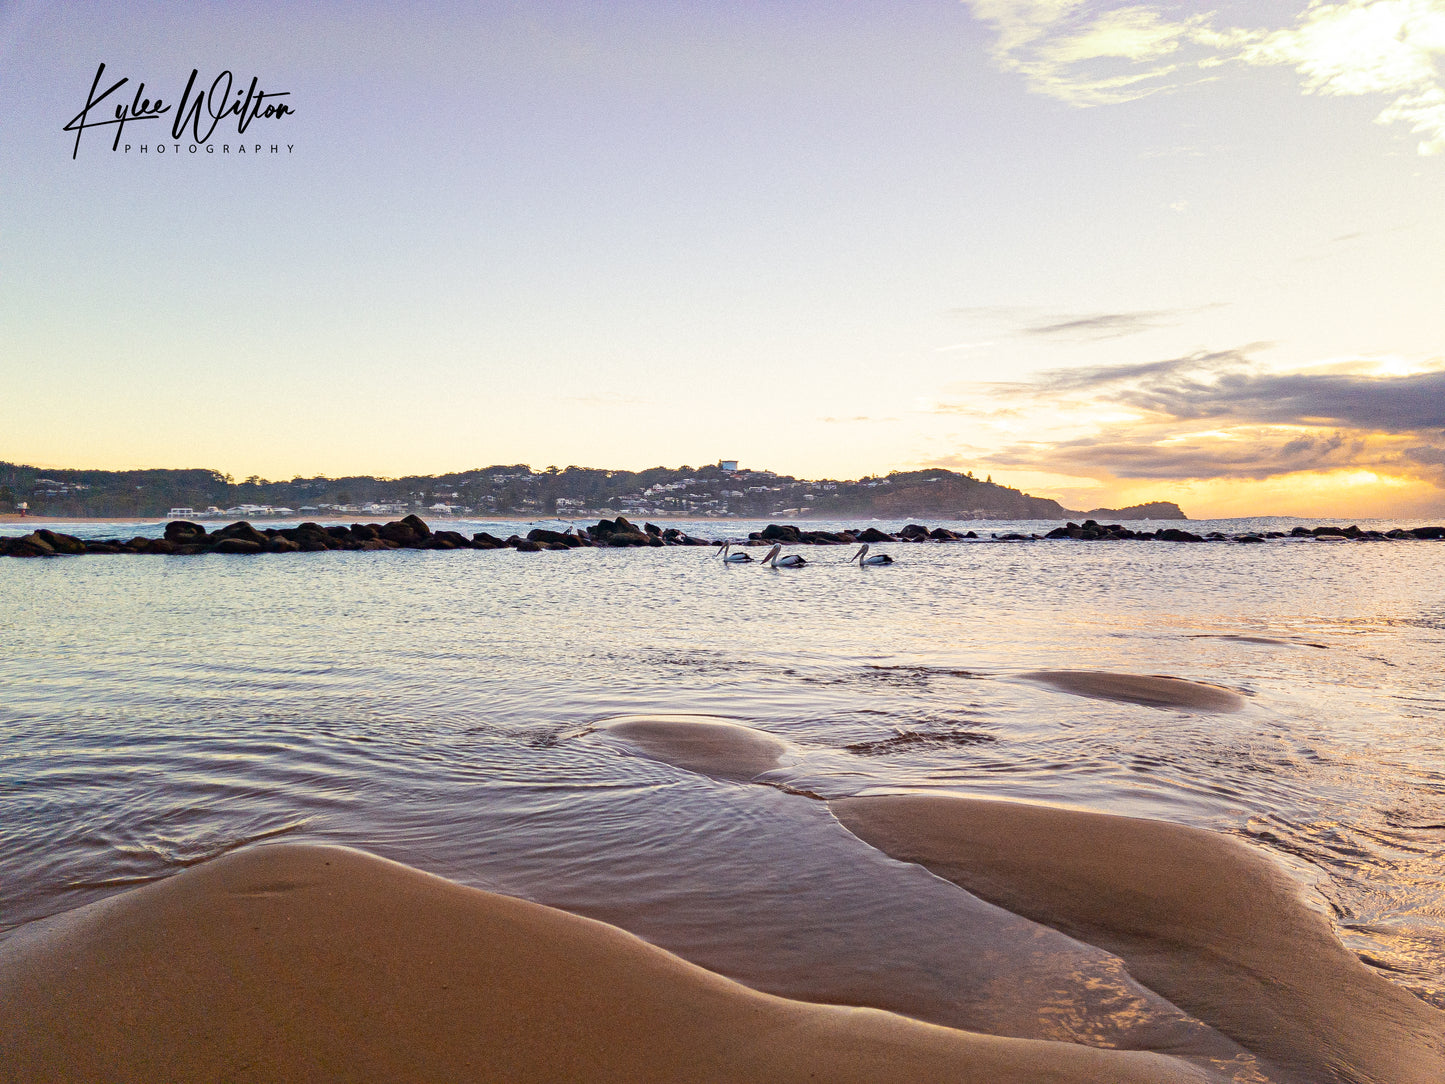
[434, 708]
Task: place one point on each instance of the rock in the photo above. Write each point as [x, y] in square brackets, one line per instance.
[160, 547]
[184, 533]
[652, 529]
[779, 532]
[914, 532]
[1429, 532]
[1249, 538]
[454, 539]
[401, 532]
[234, 544]
[62, 543]
[280, 544]
[526, 545]
[566, 541]
[363, 532]
[1174, 534]
[417, 524]
[873, 534]
[483, 541]
[240, 531]
[942, 534]
[102, 547]
[31, 545]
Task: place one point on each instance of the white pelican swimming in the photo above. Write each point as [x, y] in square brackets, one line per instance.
[733, 558]
[792, 560]
[863, 559]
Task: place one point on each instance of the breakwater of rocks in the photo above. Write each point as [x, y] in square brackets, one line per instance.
[183, 537]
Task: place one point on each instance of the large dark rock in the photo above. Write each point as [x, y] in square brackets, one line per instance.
[281, 544]
[1429, 532]
[242, 545]
[401, 532]
[241, 532]
[454, 539]
[61, 543]
[913, 532]
[557, 538]
[525, 545]
[652, 529]
[102, 547]
[160, 547]
[781, 532]
[184, 533]
[630, 538]
[483, 541]
[1174, 534]
[417, 524]
[31, 545]
[873, 534]
[363, 532]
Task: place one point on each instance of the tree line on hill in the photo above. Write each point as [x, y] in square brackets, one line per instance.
[516, 489]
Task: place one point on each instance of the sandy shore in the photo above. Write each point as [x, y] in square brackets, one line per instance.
[1205, 920]
[1213, 925]
[699, 743]
[292, 962]
[1150, 689]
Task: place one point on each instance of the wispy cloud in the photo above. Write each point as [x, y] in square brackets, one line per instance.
[1076, 327]
[1101, 325]
[1088, 54]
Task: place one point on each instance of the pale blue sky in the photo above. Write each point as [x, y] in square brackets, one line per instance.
[815, 237]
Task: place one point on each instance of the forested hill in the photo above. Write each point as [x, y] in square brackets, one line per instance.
[571, 493]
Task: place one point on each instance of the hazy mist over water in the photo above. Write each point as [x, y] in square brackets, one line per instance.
[434, 707]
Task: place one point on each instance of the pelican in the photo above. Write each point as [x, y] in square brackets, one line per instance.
[863, 559]
[732, 558]
[792, 560]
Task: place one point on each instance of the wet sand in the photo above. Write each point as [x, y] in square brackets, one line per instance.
[1152, 690]
[1202, 918]
[701, 743]
[1213, 925]
[289, 962]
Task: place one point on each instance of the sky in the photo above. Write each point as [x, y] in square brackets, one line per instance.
[1104, 252]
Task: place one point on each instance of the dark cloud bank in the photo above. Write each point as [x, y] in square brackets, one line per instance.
[1394, 424]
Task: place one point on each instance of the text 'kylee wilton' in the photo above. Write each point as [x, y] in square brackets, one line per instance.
[201, 112]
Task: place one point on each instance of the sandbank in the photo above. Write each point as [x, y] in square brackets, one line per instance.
[1209, 922]
[1150, 689]
[701, 743]
[298, 962]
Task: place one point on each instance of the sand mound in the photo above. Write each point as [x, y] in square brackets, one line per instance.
[701, 743]
[1153, 690]
[1202, 918]
[288, 962]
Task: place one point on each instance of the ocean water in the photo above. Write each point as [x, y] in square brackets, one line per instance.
[438, 708]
